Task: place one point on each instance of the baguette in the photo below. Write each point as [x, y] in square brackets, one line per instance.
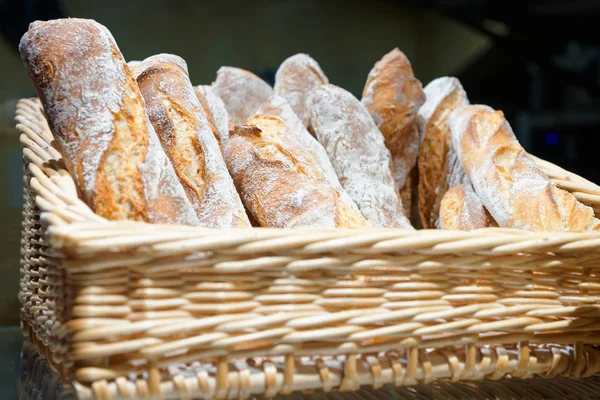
[188, 140]
[215, 111]
[438, 165]
[242, 92]
[295, 78]
[461, 209]
[97, 116]
[280, 183]
[393, 96]
[296, 132]
[357, 151]
[510, 185]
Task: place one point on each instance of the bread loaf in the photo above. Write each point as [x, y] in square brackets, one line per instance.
[280, 183]
[358, 154]
[97, 116]
[439, 168]
[393, 96]
[215, 110]
[188, 140]
[512, 188]
[461, 209]
[296, 77]
[297, 132]
[242, 92]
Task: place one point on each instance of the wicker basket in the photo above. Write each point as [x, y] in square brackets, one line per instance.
[132, 310]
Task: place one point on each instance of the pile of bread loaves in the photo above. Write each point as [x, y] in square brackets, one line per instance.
[144, 144]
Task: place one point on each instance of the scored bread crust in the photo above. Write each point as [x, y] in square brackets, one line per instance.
[97, 116]
[297, 132]
[461, 209]
[357, 151]
[215, 111]
[510, 185]
[189, 141]
[439, 167]
[280, 182]
[393, 96]
[295, 78]
[242, 92]
[279, 107]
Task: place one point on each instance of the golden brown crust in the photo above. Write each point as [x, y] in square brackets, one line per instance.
[96, 113]
[123, 198]
[393, 96]
[189, 141]
[510, 185]
[279, 107]
[461, 209]
[280, 183]
[444, 95]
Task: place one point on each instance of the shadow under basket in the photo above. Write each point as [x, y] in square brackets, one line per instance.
[133, 310]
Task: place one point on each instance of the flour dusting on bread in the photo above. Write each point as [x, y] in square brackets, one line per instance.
[358, 153]
[242, 92]
[296, 77]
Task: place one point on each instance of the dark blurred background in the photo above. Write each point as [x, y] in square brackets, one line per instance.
[538, 61]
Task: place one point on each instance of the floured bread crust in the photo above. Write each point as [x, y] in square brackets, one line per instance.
[296, 77]
[280, 182]
[189, 141]
[357, 151]
[97, 115]
[296, 131]
[510, 185]
[242, 92]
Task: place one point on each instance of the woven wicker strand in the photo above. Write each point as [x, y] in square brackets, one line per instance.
[131, 310]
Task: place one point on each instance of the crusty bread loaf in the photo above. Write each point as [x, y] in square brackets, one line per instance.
[512, 188]
[439, 167]
[295, 78]
[280, 182]
[358, 154]
[188, 140]
[242, 92]
[296, 132]
[393, 96]
[215, 111]
[97, 115]
[461, 209]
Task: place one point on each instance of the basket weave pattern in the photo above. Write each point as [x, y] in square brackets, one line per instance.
[125, 309]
